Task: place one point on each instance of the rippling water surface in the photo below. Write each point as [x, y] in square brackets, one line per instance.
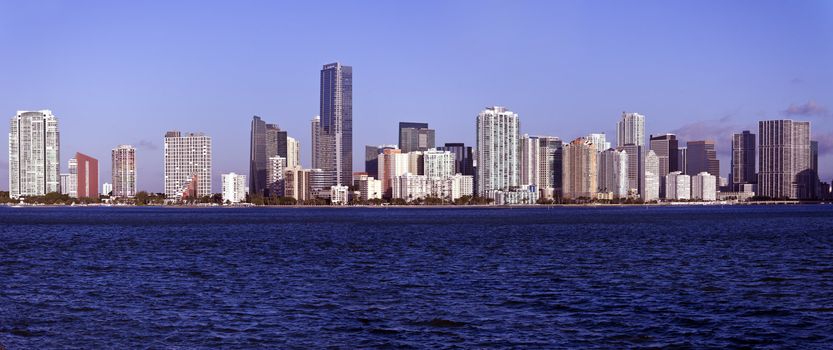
[471, 278]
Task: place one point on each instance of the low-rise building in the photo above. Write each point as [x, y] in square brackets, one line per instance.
[235, 187]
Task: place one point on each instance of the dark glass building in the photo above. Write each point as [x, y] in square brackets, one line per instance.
[743, 160]
[336, 126]
[415, 137]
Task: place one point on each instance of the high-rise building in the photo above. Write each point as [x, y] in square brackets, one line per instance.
[497, 150]
[463, 157]
[530, 160]
[234, 187]
[34, 154]
[87, 176]
[106, 188]
[636, 170]
[651, 190]
[415, 137]
[335, 155]
[438, 164]
[72, 165]
[416, 163]
[682, 160]
[275, 168]
[630, 130]
[704, 186]
[666, 147]
[123, 163]
[65, 182]
[613, 172]
[784, 159]
[187, 165]
[371, 159]
[678, 186]
[315, 154]
[297, 183]
[293, 152]
[580, 169]
[702, 156]
[815, 182]
[599, 141]
[392, 163]
[550, 167]
[257, 156]
[743, 161]
[370, 188]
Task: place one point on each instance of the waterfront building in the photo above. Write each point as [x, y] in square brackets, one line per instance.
[297, 183]
[651, 177]
[678, 186]
[123, 161]
[580, 169]
[704, 187]
[86, 176]
[65, 181]
[613, 173]
[234, 187]
[106, 188]
[335, 135]
[415, 137]
[530, 160]
[339, 195]
[392, 163]
[410, 187]
[666, 148]
[630, 130]
[319, 181]
[268, 141]
[187, 165]
[549, 167]
[34, 154]
[497, 149]
[275, 171]
[636, 170]
[784, 159]
[599, 141]
[370, 188]
[437, 164]
[743, 160]
[460, 185]
[525, 194]
[72, 165]
[702, 157]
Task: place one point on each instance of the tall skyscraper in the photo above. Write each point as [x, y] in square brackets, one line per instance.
[87, 176]
[124, 171]
[666, 147]
[530, 161]
[415, 137]
[636, 170]
[613, 172]
[187, 165]
[497, 150]
[315, 143]
[651, 190]
[580, 169]
[549, 168]
[743, 160]
[630, 130]
[257, 156]
[34, 154]
[335, 156]
[784, 159]
[392, 163]
[702, 156]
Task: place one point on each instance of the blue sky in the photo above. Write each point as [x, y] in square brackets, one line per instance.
[125, 72]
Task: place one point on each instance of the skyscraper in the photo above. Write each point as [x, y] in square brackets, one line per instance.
[497, 150]
[549, 168]
[315, 141]
[682, 160]
[530, 161]
[34, 154]
[580, 169]
[438, 164]
[702, 156]
[743, 160]
[463, 157]
[651, 190]
[784, 159]
[87, 176]
[599, 141]
[124, 171]
[613, 172]
[187, 165]
[293, 152]
[371, 159]
[630, 130]
[636, 170]
[666, 147]
[257, 156]
[335, 156]
[415, 137]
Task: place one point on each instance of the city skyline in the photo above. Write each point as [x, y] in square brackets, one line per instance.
[748, 88]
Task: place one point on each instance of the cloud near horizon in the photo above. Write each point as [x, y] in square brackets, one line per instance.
[720, 131]
[809, 109]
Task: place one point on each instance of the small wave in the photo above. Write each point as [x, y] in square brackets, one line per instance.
[441, 322]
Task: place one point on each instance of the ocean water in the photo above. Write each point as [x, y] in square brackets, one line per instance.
[721, 277]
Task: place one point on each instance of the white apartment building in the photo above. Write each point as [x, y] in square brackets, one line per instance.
[34, 154]
[677, 186]
[497, 149]
[187, 165]
[703, 186]
[235, 187]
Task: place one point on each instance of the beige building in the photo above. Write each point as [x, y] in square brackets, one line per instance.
[580, 169]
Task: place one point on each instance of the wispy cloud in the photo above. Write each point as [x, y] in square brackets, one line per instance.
[719, 130]
[809, 109]
[147, 145]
